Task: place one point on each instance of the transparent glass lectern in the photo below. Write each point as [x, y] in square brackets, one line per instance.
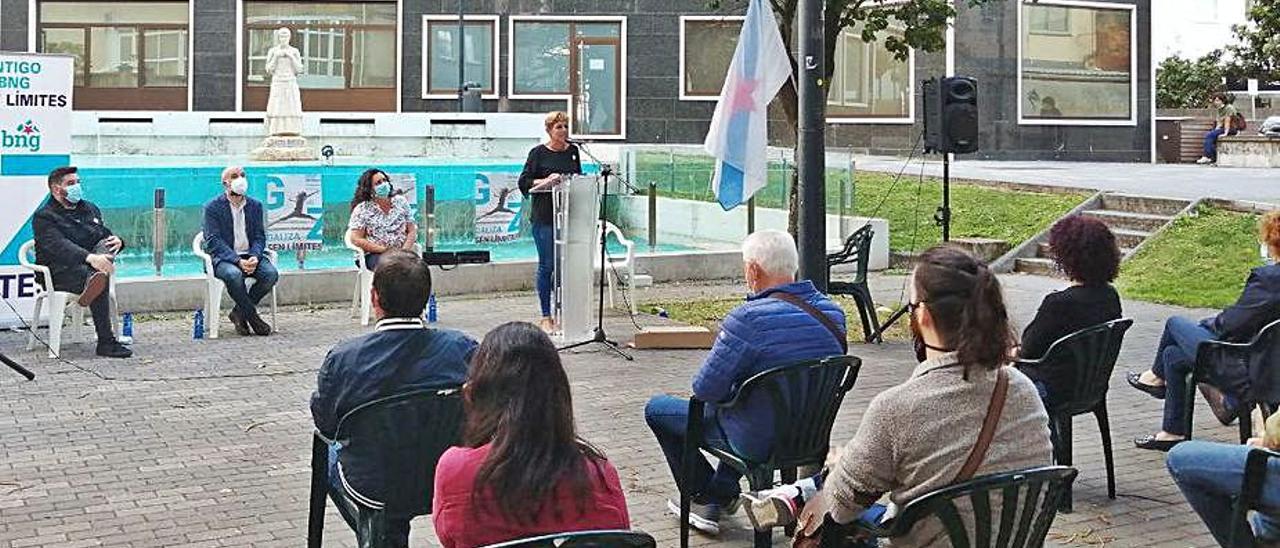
[576, 204]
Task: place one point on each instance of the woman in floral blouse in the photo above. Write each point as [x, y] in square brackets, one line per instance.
[380, 221]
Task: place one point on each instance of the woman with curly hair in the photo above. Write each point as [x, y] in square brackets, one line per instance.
[380, 220]
[1086, 251]
[522, 470]
[1258, 305]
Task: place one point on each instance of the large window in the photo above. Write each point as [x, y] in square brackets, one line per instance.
[440, 55]
[348, 53]
[869, 83]
[581, 59]
[1077, 64]
[128, 55]
[706, 49]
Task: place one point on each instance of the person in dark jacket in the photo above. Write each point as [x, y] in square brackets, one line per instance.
[764, 332]
[401, 355]
[1258, 305]
[236, 239]
[71, 239]
[543, 171]
[1086, 251]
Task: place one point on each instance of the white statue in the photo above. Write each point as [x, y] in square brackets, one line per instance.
[284, 104]
[284, 140]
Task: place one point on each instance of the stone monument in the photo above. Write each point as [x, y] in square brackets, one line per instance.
[284, 140]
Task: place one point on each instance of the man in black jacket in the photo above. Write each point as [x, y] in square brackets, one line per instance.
[79, 251]
[1258, 305]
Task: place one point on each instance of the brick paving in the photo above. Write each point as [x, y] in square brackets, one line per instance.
[206, 443]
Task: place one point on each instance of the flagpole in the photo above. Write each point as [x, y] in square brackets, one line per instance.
[811, 226]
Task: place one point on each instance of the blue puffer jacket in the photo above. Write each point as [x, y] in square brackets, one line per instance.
[762, 333]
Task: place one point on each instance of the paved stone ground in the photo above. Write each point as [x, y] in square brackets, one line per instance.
[206, 443]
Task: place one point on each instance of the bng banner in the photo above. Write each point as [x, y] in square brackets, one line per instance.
[35, 138]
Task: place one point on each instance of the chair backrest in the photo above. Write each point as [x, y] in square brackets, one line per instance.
[857, 249]
[1260, 357]
[584, 539]
[806, 397]
[1255, 472]
[1090, 355]
[391, 447]
[612, 230]
[1028, 501]
[27, 253]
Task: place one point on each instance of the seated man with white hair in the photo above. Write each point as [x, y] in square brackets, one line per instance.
[783, 321]
[236, 238]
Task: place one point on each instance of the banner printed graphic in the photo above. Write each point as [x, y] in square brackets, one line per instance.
[498, 202]
[295, 212]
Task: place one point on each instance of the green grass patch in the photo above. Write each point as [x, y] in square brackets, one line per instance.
[908, 205]
[709, 313]
[1200, 261]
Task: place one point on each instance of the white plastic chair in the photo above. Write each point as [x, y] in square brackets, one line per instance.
[214, 287]
[364, 280]
[625, 265]
[57, 302]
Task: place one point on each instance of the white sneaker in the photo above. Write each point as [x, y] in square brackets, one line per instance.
[703, 517]
[1204, 160]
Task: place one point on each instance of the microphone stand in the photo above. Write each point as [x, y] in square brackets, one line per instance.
[14, 366]
[598, 335]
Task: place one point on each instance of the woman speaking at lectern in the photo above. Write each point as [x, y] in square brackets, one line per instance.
[547, 164]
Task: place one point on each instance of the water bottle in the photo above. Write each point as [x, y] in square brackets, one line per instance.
[126, 330]
[197, 328]
[431, 309]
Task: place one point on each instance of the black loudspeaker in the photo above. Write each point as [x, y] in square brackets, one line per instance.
[950, 115]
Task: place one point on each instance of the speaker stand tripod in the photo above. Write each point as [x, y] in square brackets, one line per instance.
[598, 335]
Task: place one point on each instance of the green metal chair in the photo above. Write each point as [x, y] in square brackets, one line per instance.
[387, 464]
[856, 250]
[806, 397]
[1090, 356]
[1029, 501]
[1257, 357]
[1255, 471]
[584, 539]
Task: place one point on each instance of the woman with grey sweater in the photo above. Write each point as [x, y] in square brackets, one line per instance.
[962, 339]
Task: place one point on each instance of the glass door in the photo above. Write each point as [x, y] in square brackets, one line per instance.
[596, 85]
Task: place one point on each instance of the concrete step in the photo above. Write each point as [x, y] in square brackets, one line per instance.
[1129, 238]
[1038, 265]
[1043, 251]
[1143, 204]
[1145, 222]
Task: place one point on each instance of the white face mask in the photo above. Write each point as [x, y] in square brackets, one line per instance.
[1266, 254]
[239, 186]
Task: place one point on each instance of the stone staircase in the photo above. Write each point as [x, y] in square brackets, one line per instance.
[1133, 219]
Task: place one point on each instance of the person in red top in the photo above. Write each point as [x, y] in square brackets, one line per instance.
[523, 471]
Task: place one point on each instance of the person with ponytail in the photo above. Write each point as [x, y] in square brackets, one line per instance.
[522, 470]
[380, 219]
[962, 338]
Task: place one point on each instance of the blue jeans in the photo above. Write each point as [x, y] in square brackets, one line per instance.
[1209, 475]
[397, 528]
[1175, 356]
[371, 261]
[247, 298]
[544, 240]
[668, 417]
[1211, 142]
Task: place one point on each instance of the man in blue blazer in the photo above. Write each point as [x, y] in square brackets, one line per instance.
[235, 237]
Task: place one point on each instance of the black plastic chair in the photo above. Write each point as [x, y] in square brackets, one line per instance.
[1260, 357]
[584, 539]
[857, 250]
[1255, 471]
[1090, 355]
[806, 397]
[390, 448]
[1029, 501]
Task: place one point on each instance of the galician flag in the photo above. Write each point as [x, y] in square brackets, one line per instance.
[739, 136]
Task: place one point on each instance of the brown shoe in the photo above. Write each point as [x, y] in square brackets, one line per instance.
[1217, 404]
[93, 287]
[259, 327]
[242, 327]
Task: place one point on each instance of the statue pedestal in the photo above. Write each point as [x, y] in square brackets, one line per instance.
[283, 148]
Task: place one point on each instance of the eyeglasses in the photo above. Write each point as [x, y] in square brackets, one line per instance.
[912, 306]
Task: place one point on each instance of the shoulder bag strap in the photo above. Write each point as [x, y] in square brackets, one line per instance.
[994, 410]
[817, 315]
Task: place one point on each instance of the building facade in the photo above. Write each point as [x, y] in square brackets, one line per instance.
[1066, 79]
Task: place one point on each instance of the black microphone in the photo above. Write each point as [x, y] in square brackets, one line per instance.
[575, 141]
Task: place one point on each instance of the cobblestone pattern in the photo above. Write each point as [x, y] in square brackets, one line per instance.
[206, 443]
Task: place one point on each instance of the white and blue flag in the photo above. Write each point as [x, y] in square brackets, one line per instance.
[739, 134]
